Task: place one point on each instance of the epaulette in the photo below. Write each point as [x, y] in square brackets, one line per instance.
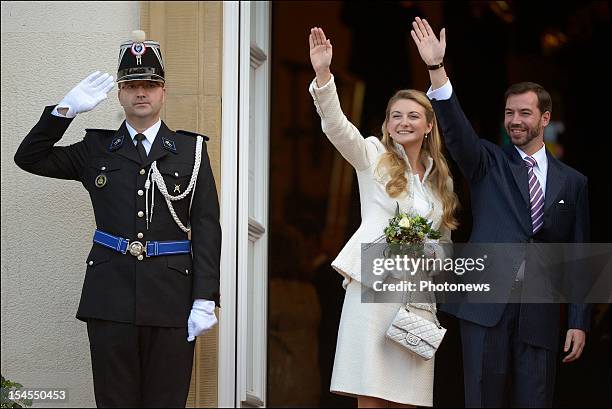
[206, 138]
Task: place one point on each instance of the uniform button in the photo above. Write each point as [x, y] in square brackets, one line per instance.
[103, 168]
[91, 262]
[140, 213]
[175, 174]
[142, 171]
[140, 193]
[140, 257]
[186, 271]
[140, 235]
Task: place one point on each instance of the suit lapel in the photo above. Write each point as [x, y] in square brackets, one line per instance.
[519, 172]
[555, 179]
[127, 149]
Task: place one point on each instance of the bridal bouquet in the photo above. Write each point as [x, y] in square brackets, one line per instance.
[407, 229]
[406, 235]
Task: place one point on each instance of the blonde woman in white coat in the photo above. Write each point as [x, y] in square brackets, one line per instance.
[405, 166]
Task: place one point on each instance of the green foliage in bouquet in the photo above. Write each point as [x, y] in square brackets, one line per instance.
[406, 229]
[407, 234]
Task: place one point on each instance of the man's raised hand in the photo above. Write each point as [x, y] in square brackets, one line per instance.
[430, 48]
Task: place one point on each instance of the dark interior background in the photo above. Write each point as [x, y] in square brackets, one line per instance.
[314, 205]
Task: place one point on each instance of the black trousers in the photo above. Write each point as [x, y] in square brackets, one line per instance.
[138, 366]
[500, 370]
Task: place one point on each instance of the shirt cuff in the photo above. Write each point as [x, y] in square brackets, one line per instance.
[441, 94]
[55, 112]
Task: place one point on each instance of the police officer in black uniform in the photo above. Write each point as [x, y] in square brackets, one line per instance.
[152, 279]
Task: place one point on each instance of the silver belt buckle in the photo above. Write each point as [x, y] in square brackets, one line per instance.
[136, 248]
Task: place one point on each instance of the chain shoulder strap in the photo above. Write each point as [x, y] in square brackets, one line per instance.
[425, 307]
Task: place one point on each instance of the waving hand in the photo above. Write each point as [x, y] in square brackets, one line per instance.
[430, 48]
[320, 55]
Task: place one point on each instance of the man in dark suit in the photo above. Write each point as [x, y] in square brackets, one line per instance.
[152, 279]
[520, 194]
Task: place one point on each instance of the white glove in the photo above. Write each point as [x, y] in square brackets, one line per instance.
[201, 319]
[87, 94]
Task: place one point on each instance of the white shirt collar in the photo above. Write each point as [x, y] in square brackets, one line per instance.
[539, 156]
[150, 133]
[428, 165]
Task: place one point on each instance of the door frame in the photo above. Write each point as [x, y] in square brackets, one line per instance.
[245, 136]
[229, 204]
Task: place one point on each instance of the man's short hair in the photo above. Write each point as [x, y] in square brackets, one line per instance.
[544, 99]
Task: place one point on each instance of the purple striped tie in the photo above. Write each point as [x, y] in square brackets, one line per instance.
[536, 195]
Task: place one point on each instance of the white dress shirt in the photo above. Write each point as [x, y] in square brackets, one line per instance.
[149, 134]
[541, 167]
[441, 94]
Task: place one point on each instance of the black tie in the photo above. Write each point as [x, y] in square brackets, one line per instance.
[140, 147]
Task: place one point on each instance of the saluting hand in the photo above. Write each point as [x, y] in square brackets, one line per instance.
[320, 55]
[87, 94]
[430, 48]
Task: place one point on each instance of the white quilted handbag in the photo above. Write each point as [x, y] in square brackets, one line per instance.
[415, 333]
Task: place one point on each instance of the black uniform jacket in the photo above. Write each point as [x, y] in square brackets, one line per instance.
[156, 291]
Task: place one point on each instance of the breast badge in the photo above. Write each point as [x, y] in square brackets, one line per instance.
[100, 181]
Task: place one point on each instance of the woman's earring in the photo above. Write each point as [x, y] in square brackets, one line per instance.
[426, 135]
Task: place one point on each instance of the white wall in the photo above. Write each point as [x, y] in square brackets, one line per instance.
[47, 224]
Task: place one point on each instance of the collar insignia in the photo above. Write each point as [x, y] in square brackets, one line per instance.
[169, 144]
[116, 143]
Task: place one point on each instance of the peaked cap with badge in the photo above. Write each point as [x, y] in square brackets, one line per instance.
[140, 60]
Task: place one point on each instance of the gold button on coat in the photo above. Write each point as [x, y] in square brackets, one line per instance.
[140, 213]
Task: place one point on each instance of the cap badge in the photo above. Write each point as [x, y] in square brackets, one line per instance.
[138, 49]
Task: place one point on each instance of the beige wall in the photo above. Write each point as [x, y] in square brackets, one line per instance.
[47, 224]
[190, 36]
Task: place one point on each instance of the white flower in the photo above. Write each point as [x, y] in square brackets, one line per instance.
[405, 222]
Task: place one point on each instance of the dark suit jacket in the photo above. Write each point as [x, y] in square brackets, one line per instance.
[502, 214]
[157, 291]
